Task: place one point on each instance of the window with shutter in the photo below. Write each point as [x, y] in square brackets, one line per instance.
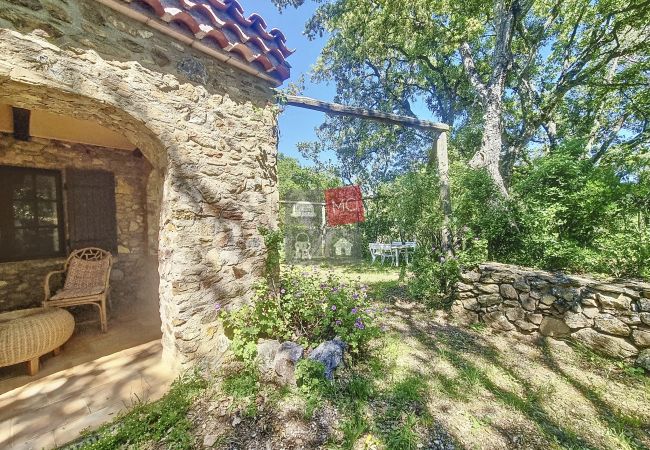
[90, 196]
[31, 213]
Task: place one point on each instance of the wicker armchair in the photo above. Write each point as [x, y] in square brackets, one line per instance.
[87, 272]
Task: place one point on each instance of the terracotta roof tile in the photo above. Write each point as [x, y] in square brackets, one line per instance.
[222, 24]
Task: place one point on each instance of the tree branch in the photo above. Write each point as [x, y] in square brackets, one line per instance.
[470, 67]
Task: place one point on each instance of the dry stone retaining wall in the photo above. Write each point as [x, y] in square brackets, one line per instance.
[609, 317]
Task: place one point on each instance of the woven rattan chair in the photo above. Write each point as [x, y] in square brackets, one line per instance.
[87, 272]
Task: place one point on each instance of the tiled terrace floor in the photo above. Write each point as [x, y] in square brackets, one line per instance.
[94, 378]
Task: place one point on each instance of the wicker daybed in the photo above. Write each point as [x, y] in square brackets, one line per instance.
[27, 334]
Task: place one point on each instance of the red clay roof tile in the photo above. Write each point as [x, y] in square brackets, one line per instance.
[222, 24]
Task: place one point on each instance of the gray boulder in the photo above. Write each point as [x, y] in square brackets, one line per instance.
[641, 338]
[462, 315]
[286, 358]
[508, 291]
[330, 354]
[498, 321]
[644, 359]
[644, 305]
[528, 302]
[604, 343]
[610, 324]
[266, 353]
[621, 302]
[577, 320]
[553, 327]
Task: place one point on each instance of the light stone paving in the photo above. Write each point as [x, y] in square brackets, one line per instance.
[53, 410]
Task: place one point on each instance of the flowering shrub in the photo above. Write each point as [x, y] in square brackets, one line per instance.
[308, 307]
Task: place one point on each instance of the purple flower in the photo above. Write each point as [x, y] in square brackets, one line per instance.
[338, 322]
[359, 324]
[217, 307]
[354, 310]
[333, 307]
[335, 289]
[355, 296]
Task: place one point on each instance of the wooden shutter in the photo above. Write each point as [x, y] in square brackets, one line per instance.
[91, 209]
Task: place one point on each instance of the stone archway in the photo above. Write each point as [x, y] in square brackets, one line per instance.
[213, 154]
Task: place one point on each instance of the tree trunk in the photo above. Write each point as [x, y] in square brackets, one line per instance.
[489, 155]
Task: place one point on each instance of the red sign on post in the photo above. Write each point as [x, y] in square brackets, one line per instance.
[344, 206]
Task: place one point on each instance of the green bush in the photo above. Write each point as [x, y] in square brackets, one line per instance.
[434, 275]
[307, 307]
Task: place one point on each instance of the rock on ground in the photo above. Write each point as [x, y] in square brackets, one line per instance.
[266, 353]
[553, 327]
[330, 354]
[644, 359]
[286, 358]
[610, 345]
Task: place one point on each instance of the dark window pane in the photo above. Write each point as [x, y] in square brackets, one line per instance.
[47, 213]
[24, 214]
[23, 186]
[31, 225]
[47, 241]
[45, 187]
[26, 242]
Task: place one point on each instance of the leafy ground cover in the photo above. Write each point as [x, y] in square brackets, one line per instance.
[425, 383]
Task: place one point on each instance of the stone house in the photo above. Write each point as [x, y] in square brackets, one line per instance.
[149, 128]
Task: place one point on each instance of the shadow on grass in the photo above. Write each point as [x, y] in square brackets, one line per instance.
[626, 427]
[390, 413]
[461, 349]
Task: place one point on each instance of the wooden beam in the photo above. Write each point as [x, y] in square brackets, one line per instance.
[353, 111]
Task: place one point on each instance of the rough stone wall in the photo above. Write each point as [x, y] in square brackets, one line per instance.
[209, 131]
[89, 25]
[21, 283]
[612, 318]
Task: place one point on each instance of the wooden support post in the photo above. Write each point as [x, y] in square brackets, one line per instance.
[32, 366]
[442, 164]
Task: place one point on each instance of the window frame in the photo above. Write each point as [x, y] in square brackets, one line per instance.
[60, 211]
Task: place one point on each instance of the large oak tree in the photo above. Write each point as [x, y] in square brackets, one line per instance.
[513, 77]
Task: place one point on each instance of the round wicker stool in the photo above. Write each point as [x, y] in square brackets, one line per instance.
[27, 334]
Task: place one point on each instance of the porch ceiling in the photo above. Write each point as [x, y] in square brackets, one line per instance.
[44, 124]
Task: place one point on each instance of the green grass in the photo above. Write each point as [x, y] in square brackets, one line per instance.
[164, 421]
[387, 397]
[596, 361]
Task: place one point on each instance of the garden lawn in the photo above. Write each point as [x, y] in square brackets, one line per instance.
[425, 383]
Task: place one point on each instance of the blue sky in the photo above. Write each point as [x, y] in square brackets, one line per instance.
[296, 124]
